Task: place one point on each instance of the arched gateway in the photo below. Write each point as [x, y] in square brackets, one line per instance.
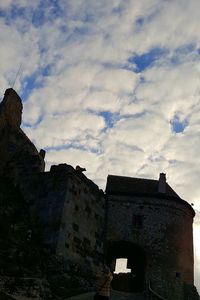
[133, 281]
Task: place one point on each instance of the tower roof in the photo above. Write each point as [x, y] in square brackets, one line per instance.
[130, 185]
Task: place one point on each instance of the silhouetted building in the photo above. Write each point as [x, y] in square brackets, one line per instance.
[58, 228]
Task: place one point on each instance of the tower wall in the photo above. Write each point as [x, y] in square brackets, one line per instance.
[18, 155]
[163, 230]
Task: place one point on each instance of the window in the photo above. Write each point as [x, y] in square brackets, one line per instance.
[137, 221]
[178, 274]
[75, 227]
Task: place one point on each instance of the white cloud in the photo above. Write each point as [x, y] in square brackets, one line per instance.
[80, 128]
[87, 50]
[171, 26]
[75, 157]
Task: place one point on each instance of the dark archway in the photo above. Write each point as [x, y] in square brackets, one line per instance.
[129, 282]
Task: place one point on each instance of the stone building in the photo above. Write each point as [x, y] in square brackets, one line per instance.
[154, 232]
[57, 228]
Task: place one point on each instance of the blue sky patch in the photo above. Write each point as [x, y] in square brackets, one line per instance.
[145, 60]
[32, 82]
[71, 145]
[178, 125]
[46, 70]
[81, 30]
[47, 11]
[88, 18]
[185, 49]
[139, 21]
[29, 84]
[117, 10]
[68, 145]
[2, 13]
[38, 121]
[13, 13]
[181, 53]
[108, 117]
[142, 80]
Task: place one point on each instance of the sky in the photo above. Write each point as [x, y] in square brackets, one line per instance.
[112, 86]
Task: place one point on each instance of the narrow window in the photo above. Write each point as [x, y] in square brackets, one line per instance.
[137, 221]
[178, 275]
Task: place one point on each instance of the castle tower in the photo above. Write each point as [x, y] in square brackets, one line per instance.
[18, 155]
[11, 109]
[151, 226]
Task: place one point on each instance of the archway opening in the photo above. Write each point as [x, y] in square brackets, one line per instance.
[127, 260]
[121, 266]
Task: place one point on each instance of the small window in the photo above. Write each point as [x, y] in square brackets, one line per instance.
[75, 227]
[137, 221]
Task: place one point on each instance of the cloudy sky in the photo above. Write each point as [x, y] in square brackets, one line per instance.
[111, 85]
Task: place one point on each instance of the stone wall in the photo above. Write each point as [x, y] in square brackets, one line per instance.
[82, 227]
[68, 213]
[71, 209]
[58, 232]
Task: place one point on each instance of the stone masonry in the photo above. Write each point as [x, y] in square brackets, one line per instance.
[159, 226]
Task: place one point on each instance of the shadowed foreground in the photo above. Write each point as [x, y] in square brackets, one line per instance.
[115, 295]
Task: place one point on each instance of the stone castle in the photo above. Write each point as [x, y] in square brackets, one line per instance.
[57, 228]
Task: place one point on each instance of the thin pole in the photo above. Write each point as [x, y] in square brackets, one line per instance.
[18, 72]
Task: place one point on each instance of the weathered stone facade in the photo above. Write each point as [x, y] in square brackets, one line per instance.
[58, 228]
[158, 227]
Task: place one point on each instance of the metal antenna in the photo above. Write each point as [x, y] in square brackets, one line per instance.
[18, 73]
